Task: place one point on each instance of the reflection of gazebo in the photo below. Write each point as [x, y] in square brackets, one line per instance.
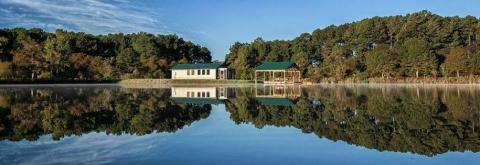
[278, 91]
[277, 72]
[275, 101]
[277, 95]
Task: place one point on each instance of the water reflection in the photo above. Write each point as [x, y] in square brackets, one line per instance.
[277, 95]
[27, 113]
[424, 120]
[202, 95]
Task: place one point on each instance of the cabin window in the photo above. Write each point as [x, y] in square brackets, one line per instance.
[208, 72]
[203, 94]
[188, 93]
[198, 94]
[188, 72]
[208, 94]
[203, 72]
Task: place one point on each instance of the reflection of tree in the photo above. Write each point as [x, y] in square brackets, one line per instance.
[29, 113]
[424, 121]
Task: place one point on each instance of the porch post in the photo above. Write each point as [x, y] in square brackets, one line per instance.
[273, 90]
[264, 77]
[299, 76]
[255, 77]
[293, 77]
[273, 76]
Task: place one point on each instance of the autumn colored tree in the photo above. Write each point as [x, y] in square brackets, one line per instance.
[32, 54]
[28, 59]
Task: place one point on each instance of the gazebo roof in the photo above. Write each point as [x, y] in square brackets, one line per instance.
[275, 66]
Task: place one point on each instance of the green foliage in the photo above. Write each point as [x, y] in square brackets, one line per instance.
[37, 55]
[419, 42]
[335, 62]
[243, 63]
[3, 44]
[416, 58]
[301, 59]
[381, 61]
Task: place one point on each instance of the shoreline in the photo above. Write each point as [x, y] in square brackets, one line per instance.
[183, 82]
[206, 82]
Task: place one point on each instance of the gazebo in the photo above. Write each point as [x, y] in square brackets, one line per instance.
[277, 72]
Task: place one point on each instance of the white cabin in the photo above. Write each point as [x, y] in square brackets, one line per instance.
[201, 71]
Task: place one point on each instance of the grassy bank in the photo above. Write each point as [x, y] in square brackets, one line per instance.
[182, 82]
[59, 82]
[421, 80]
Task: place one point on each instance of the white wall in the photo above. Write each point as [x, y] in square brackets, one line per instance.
[181, 92]
[182, 74]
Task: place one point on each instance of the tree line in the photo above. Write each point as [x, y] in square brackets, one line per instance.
[33, 54]
[415, 45]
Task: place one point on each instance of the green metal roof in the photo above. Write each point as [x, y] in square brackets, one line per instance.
[274, 65]
[198, 66]
[275, 101]
[197, 100]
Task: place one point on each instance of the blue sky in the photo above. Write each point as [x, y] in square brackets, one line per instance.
[212, 23]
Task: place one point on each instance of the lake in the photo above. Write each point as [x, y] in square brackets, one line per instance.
[318, 124]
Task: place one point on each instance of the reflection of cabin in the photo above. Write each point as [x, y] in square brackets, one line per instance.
[277, 72]
[201, 95]
[201, 71]
[277, 95]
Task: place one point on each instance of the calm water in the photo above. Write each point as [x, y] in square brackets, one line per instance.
[240, 125]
